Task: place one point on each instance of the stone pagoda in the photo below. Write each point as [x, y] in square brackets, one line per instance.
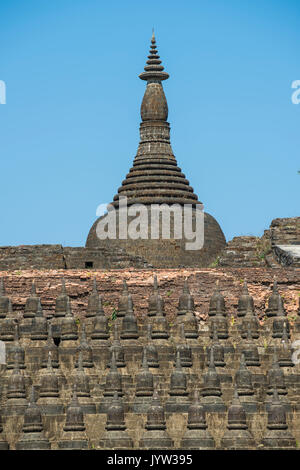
[155, 178]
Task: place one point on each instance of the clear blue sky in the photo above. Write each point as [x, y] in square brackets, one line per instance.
[69, 130]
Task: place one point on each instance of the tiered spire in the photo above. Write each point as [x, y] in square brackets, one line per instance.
[155, 177]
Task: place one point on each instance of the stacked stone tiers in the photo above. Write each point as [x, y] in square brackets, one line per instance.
[145, 382]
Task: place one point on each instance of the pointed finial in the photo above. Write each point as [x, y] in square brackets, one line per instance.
[130, 304]
[83, 334]
[95, 289]
[155, 396]
[113, 363]
[153, 68]
[196, 397]
[159, 307]
[33, 289]
[125, 287]
[211, 359]
[100, 311]
[49, 331]
[17, 332]
[155, 286]
[243, 364]
[74, 401]
[186, 289]
[285, 336]
[80, 360]
[280, 312]
[145, 361]
[275, 286]
[68, 308]
[149, 331]
[39, 312]
[178, 360]
[63, 286]
[49, 363]
[245, 288]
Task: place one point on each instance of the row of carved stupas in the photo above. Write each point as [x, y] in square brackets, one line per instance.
[155, 435]
[118, 366]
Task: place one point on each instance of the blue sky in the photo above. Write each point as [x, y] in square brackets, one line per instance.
[69, 128]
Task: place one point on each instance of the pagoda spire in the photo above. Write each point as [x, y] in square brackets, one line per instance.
[153, 68]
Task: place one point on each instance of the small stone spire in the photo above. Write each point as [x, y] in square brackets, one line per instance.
[218, 349]
[245, 301]
[211, 380]
[85, 348]
[113, 380]
[15, 350]
[33, 417]
[250, 319]
[144, 379]
[117, 349]
[33, 436]
[243, 379]
[155, 436]
[100, 325]
[279, 320]
[154, 299]
[217, 302]
[236, 413]
[285, 352]
[74, 419]
[218, 320]
[123, 301]
[184, 348]
[160, 328]
[237, 435]
[115, 436]
[39, 327]
[129, 324]
[61, 304]
[178, 379]
[249, 349]
[186, 301]
[69, 330]
[52, 348]
[93, 301]
[49, 382]
[273, 302]
[74, 436]
[115, 415]
[275, 377]
[197, 436]
[152, 354]
[16, 382]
